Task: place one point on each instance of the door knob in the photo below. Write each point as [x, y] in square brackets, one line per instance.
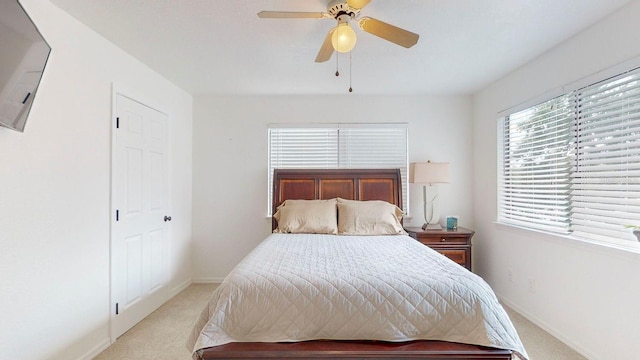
[167, 218]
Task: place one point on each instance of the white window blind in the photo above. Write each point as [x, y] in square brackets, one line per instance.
[572, 164]
[307, 147]
[606, 178]
[375, 147]
[330, 146]
[535, 162]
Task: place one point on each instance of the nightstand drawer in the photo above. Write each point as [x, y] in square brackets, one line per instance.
[442, 239]
[454, 244]
[459, 256]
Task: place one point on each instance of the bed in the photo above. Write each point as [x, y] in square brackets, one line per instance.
[330, 296]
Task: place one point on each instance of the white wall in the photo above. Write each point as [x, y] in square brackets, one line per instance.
[54, 194]
[586, 294]
[230, 161]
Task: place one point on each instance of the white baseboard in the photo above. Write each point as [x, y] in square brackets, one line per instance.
[176, 290]
[102, 346]
[572, 344]
[207, 280]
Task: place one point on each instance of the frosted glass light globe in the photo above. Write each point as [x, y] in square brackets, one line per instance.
[343, 38]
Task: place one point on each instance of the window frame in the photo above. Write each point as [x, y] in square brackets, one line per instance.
[576, 91]
[399, 128]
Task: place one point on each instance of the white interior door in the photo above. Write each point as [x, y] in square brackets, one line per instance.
[140, 197]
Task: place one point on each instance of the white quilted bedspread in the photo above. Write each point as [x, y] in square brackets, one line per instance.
[389, 288]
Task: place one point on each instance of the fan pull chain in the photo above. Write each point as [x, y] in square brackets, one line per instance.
[350, 88]
[337, 52]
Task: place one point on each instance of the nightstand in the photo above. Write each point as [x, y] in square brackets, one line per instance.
[454, 244]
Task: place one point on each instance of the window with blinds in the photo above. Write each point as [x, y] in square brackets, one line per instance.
[605, 181]
[332, 146]
[536, 163]
[571, 165]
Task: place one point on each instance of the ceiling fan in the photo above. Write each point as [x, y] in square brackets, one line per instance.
[342, 38]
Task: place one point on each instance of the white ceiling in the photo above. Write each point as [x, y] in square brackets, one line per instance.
[222, 47]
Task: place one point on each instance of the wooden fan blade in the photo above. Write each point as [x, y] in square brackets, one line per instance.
[290, 15]
[388, 32]
[358, 4]
[327, 48]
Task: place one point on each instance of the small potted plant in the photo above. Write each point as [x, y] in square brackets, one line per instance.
[636, 230]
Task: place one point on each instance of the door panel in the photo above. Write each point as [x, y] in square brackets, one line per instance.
[157, 196]
[133, 185]
[141, 198]
[133, 270]
[156, 243]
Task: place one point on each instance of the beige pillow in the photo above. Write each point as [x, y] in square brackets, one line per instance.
[296, 202]
[372, 217]
[316, 217]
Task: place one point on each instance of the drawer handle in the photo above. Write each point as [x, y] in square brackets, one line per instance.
[443, 239]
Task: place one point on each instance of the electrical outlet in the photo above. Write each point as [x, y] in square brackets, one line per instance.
[510, 275]
[532, 285]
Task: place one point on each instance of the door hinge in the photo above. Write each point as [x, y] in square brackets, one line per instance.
[116, 308]
[117, 123]
[117, 215]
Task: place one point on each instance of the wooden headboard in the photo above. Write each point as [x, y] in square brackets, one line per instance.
[350, 184]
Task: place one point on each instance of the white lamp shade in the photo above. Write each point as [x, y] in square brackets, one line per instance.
[343, 38]
[429, 172]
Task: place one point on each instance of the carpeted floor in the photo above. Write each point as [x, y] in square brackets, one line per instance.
[162, 335]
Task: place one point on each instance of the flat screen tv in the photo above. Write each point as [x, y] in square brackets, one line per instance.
[23, 56]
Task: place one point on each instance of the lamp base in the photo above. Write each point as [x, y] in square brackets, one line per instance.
[435, 226]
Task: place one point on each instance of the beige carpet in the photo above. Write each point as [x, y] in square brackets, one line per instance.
[162, 335]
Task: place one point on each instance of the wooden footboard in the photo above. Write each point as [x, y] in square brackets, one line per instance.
[354, 350]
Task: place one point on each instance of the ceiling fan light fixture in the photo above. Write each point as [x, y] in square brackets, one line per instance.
[343, 38]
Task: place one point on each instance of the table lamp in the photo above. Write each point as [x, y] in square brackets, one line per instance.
[430, 173]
